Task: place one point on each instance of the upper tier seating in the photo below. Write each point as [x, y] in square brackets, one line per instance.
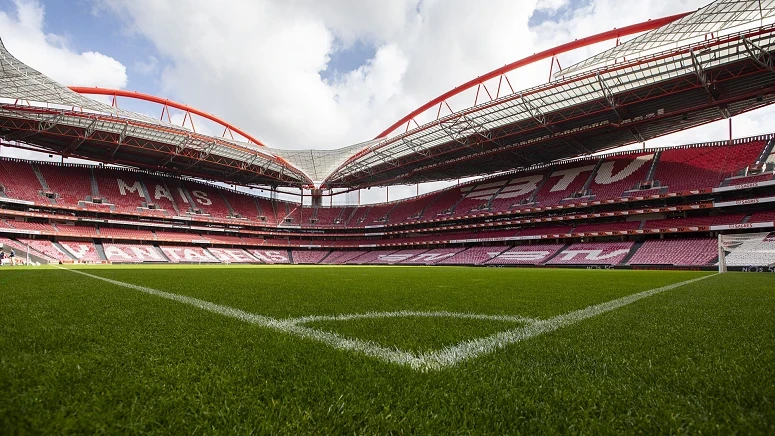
[268, 210]
[406, 209]
[308, 256]
[132, 253]
[294, 215]
[123, 189]
[593, 253]
[72, 184]
[477, 197]
[693, 251]
[207, 199]
[684, 169]
[439, 204]
[526, 255]
[20, 181]
[326, 216]
[474, 256]
[618, 174]
[242, 204]
[519, 189]
[164, 194]
[563, 182]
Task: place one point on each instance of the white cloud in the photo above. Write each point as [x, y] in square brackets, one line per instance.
[23, 35]
[146, 66]
[550, 5]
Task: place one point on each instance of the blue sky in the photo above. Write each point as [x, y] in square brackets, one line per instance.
[89, 27]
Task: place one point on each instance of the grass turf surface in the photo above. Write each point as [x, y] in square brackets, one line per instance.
[81, 355]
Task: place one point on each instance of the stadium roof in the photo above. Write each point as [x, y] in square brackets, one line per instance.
[714, 63]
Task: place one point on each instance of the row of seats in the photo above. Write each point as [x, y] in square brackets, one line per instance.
[677, 170]
[107, 233]
[687, 251]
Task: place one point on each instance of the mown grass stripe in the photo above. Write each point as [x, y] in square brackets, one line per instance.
[428, 361]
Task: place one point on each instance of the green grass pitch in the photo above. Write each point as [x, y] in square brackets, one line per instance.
[81, 355]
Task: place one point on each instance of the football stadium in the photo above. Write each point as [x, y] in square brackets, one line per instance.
[565, 278]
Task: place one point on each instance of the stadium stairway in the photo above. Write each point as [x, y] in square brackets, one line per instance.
[100, 250]
[95, 190]
[428, 205]
[653, 169]
[226, 202]
[534, 194]
[65, 251]
[258, 208]
[592, 175]
[452, 209]
[161, 252]
[557, 253]
[635, 247]
[144, 188]
[43, 182]
[172, 201]
[766, 152]
[320, 262]
[187, 196]
[290, 257]
[350, 217]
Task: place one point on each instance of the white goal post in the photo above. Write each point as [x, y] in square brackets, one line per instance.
[746, 250]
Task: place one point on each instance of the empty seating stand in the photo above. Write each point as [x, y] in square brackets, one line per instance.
[19, 181]
[681, 252]
[593, 253]
[688, 168]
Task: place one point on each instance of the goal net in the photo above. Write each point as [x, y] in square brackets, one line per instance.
[749, 249]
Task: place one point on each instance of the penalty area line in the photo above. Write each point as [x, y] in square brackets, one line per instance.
[333, 340]
[428, 361]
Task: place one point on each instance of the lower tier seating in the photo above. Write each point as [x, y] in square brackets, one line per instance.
[308, 256]
[526, 255]
[593, 253]
[692, 251]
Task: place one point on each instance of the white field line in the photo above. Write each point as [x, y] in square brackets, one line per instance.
[435, 360]
[408, 314]
[331, 339]
[466, 350]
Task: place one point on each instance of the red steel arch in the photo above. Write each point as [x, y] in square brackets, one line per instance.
[440, 100]
[167, 104]
[570, 46]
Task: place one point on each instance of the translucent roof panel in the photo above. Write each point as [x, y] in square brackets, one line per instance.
[715, 19]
